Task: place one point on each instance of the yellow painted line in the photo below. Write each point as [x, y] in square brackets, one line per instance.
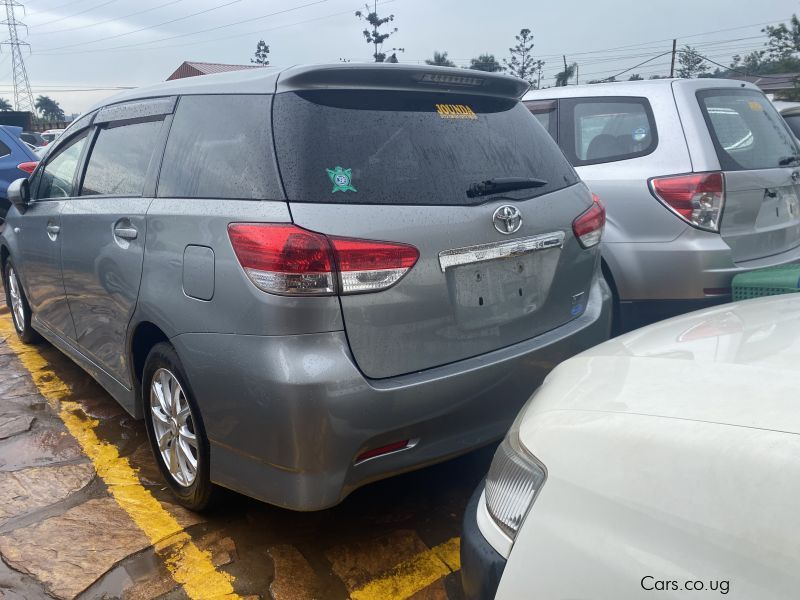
[413, 575]
[189, 566]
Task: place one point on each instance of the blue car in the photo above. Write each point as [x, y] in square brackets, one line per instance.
[16, 160]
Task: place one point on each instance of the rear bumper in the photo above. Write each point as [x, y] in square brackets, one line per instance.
[481, 565]
[287, 415]
[690, 267]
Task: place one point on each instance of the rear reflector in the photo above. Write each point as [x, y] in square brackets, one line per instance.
[387, 449]
[28, 167]
[286, 259]
[698, 199]
[588, 227]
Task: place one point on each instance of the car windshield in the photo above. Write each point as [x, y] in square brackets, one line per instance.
[380, 147]
[748, 132]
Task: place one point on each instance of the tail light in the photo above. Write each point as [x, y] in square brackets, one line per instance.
[588, 227]
[289, 260]
[698, 199]
[28, 167]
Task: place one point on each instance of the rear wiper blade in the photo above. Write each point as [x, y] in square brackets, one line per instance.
[788, 160]
[503, 184]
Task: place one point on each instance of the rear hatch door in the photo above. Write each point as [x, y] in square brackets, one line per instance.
[396, 166]
[761, 162]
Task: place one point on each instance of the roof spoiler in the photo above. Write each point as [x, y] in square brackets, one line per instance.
[400, 77]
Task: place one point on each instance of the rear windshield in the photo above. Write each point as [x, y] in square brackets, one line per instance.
[748, 132]
[379, 147]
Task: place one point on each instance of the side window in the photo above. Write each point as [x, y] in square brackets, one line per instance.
[220, 147]
[606, 129]
[57, 178]
[546, 111]
[120, 157]
[4, 150]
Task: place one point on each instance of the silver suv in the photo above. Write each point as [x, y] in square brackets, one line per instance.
[700, 180]
[309, 279]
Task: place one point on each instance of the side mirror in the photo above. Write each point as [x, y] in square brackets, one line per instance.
[19, 194]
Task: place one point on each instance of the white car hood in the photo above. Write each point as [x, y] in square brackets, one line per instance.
[737, 364]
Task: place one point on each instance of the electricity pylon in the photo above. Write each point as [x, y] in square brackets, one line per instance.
[23, 98]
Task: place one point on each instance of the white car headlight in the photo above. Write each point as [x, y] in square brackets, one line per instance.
[514, 479]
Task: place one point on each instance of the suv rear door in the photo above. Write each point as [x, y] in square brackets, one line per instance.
[761, 161]
[103, 228]
[408, 159]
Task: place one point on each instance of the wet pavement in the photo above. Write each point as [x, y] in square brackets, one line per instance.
[69, 526]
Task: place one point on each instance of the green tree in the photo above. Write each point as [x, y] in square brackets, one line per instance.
[750, 63]
[521, 62]
[562, 78]
[485, 62]
[690, 63]
[783, 41]
[635, 77]
[440, 59]
[261, 56]
[49, 108]
[5, 105]
[375, 36]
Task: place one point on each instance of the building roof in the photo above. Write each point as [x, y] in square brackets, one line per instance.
[193, 69]
[773, 82]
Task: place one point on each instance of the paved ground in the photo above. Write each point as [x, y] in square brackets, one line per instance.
[84, 513]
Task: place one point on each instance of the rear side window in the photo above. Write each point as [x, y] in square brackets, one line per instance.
[220, 147]
[606, 129]
[793, 121]
[747, 131]
[120, 157]
[4, 150]
[382, 147]
[547, 114]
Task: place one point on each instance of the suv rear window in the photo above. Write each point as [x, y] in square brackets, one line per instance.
[606, 129]
[747, 131]
[408, 148]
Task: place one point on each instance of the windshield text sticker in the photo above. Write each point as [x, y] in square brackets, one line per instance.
[455, 111]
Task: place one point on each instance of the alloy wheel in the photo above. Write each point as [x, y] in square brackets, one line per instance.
[174, 427]
[15, 292]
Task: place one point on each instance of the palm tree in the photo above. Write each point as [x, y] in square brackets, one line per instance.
[5, 105]
[564, 76]
[49, 108]
[440, 59]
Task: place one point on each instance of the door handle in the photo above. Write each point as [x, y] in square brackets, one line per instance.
[53, 229]
[126, 233]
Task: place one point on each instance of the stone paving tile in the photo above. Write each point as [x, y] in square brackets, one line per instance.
[11, 425]
[361, 561]
[16, 384]
[295, 579]
[26, 490]
[69, 552]
[41, 447]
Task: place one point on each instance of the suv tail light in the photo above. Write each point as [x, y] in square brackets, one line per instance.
[289, 260]
[588, 227]
[698, 199]
[28, 167]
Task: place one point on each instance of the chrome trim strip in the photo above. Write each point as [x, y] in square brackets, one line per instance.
[497, 250]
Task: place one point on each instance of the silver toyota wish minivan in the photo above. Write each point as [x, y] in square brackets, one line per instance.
[308, 279]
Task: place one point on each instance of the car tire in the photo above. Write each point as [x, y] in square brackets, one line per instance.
[17, 303]
[175, 428]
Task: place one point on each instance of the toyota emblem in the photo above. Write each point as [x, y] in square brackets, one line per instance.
[507, 219]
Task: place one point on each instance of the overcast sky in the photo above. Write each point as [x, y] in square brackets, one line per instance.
[79, 44]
